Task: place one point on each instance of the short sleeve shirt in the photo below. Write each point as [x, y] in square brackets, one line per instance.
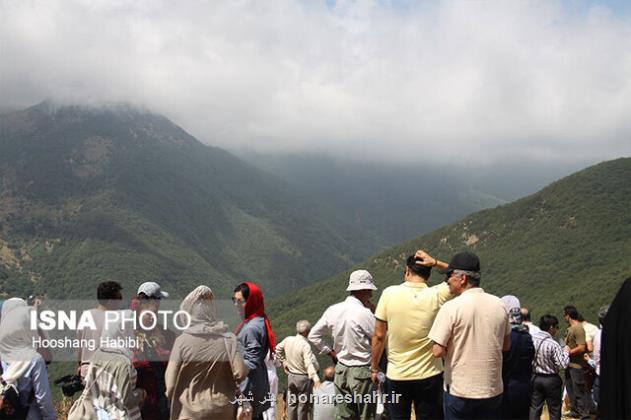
[410, 309]
[472, 327]
[574, 338]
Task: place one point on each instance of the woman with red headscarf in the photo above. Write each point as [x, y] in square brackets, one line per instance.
[256, 338]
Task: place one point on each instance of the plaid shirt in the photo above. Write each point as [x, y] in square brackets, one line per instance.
[549, 356]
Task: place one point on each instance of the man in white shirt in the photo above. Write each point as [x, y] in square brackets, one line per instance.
[352, 325]
[471, 332]
[301, 368]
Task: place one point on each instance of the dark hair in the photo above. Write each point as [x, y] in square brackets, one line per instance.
[244, 289]
[525, 314]
[572, 312]
[108, 290]
[419, 270]
[548, 321]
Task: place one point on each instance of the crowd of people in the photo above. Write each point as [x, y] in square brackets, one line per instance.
[448, 351]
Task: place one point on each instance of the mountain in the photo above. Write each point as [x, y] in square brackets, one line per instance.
[95, 193]
[566, 244]
[395, 201]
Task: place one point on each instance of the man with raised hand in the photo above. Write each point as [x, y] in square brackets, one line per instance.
[351, 324]
[470, 332]
[405, 314]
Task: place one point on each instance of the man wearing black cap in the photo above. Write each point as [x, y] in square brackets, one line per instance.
[470, 332]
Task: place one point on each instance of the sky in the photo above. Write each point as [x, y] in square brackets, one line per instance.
[459, 82]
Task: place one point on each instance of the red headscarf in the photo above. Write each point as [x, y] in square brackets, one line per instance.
[254, 307]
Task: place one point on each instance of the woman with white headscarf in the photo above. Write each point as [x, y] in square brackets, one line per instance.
[110, 384]
[205, 363]
[517, 365]
[24, 368]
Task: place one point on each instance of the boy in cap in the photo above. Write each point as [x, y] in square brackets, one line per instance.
[351, 324]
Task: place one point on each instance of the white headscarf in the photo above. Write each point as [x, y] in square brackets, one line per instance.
[200, 305]
[513, 308]
[112, 331]
[16, 338]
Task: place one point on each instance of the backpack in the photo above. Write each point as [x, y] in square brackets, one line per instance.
[10, 405]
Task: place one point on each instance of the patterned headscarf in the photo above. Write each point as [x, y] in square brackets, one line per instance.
[513, 308]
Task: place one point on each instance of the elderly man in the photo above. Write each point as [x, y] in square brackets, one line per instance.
[470, 332]
[301, 368]
[351, 324]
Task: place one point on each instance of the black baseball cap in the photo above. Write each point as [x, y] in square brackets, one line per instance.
[466, 261]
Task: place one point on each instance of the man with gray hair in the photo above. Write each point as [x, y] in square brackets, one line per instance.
[301, 368]
[471, 332]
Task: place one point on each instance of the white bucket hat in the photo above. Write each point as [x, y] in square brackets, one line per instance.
[360, 280]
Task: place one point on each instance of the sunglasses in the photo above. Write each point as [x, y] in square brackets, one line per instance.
[145, 297]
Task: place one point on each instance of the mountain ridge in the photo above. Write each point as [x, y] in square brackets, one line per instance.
[94, 193]
[566, 244]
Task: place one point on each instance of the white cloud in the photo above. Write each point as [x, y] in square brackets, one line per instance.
[483, 80]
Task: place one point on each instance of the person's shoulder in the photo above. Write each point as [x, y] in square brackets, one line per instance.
[287, 340]
[389, 292]
[451, 305]
[37, 362]
[229, 338]
[361, 310]
[575, 329]
[494, 302]
[254, 323]
[334, 307]
[492, 298]
[392, 289]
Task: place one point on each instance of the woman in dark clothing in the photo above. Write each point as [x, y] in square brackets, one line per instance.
[615, 364]
[517, 365]
[150, 359]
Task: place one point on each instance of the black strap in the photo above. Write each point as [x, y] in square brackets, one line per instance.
[534, 360]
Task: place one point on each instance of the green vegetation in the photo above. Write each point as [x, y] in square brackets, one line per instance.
[567, 244]
[88, 194]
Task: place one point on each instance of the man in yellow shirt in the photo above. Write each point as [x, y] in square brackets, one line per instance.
[404, 315]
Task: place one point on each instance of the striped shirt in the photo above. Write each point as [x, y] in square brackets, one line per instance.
[550, 357]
